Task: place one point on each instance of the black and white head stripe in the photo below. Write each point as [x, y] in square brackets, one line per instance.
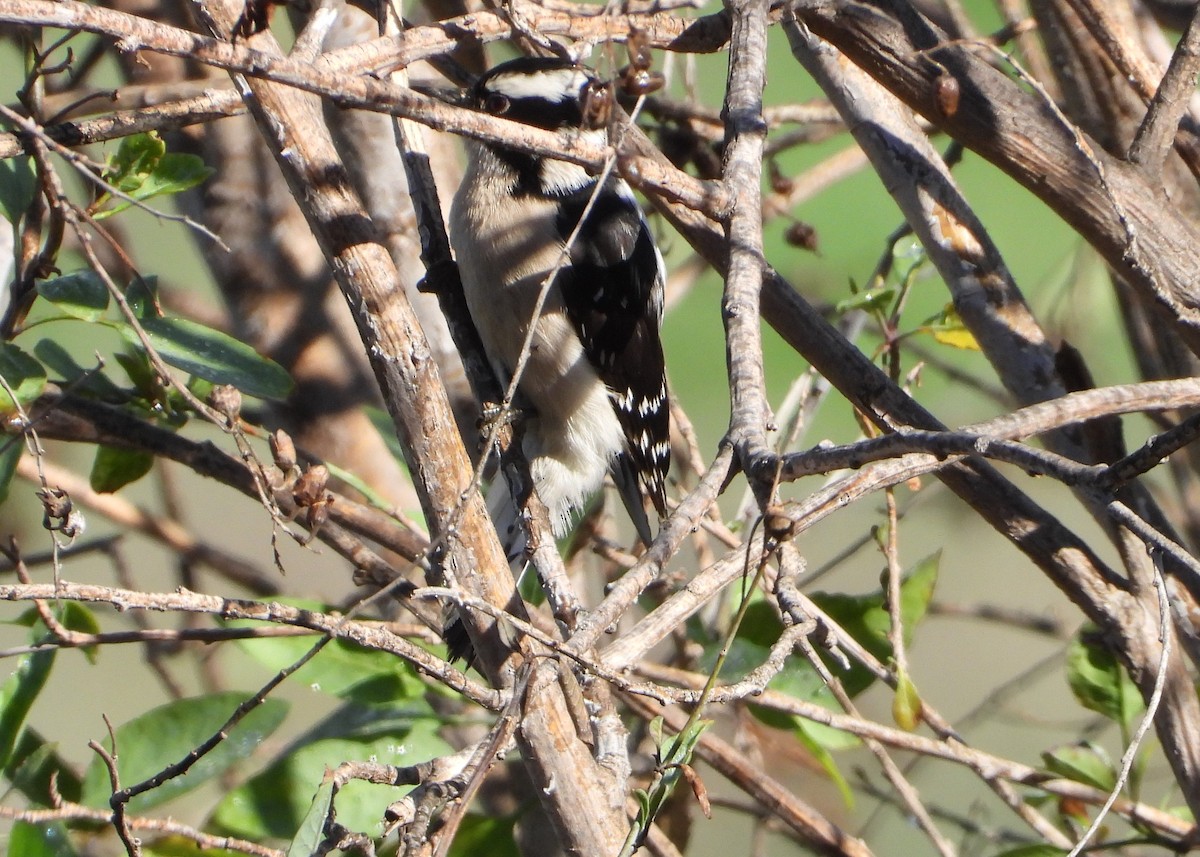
[550, 93]
[543, 91]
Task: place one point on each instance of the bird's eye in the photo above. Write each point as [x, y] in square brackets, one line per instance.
[496, 104]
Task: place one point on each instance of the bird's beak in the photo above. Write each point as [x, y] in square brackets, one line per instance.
[446, 94]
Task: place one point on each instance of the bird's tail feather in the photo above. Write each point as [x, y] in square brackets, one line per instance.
[626, 479]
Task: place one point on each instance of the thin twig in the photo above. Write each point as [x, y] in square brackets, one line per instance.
[31, 128]
[121, 797]
[371, 636]
[67, 811]
[1156, 134]
[133, 846]
[891, 770]
[1160, 680]
[170, 116]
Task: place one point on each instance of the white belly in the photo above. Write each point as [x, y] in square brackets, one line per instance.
[574, 434]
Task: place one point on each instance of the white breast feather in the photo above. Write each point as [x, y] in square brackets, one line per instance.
[502, 245]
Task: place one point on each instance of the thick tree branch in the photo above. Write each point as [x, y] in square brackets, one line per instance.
[559, 762]
[1109, 202]
[745, 135]
[1156, 134]
[370, 635]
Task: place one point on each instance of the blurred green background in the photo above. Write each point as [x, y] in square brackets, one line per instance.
[958, 664]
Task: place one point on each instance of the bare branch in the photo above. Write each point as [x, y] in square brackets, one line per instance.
[74, 812]
[370, 635]
[1023, 135]
[745, 133]
[1156, 134]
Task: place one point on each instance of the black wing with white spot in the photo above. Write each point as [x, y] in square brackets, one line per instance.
[613, 293]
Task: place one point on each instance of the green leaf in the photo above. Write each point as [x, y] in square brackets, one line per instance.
[916, 592]
[39, 840]
[175, 173]
[1082, 763]
[202, 389]
[142, 169]
[162, 737]
[113, 469]
[142, 296]
[824, 758]
[18, 184]
[81, 295]
[655, 728]
[877, 298]
[275, 802]
[678, 749]
[906, 703]
[136, 157]
[312, 828]
[11, 448]
[866, 620]
[673, 753]
[59, 361]
[798, 679]
[77, 617]
[32, 764]
[479, 834]
[1099, 682]
[141, 374]
[374, 497]
[17, 696]
[23, 375]
[343, 669]
[643, 802]
[214, 356]
[947, 328]
[355, 721]
[71, 615]
[761, 627]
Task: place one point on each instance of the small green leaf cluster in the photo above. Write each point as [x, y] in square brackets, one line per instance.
[380, 713]
[208, 356]
[200, 351]
[672, 755]
[142, 169]
[865, 618]
[1101, 684]
[885, 297]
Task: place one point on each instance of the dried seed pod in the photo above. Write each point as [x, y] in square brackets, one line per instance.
[226, 400]
[947, 91]
[699, 790]
[59, 514]
[780, 183]
[310, 487]
[641, 57]
[636, 78]
[283, 450]
[56, 503]
[802, 235]
[597, 106]
[778, 525]
[318, 513]
[637, 82]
